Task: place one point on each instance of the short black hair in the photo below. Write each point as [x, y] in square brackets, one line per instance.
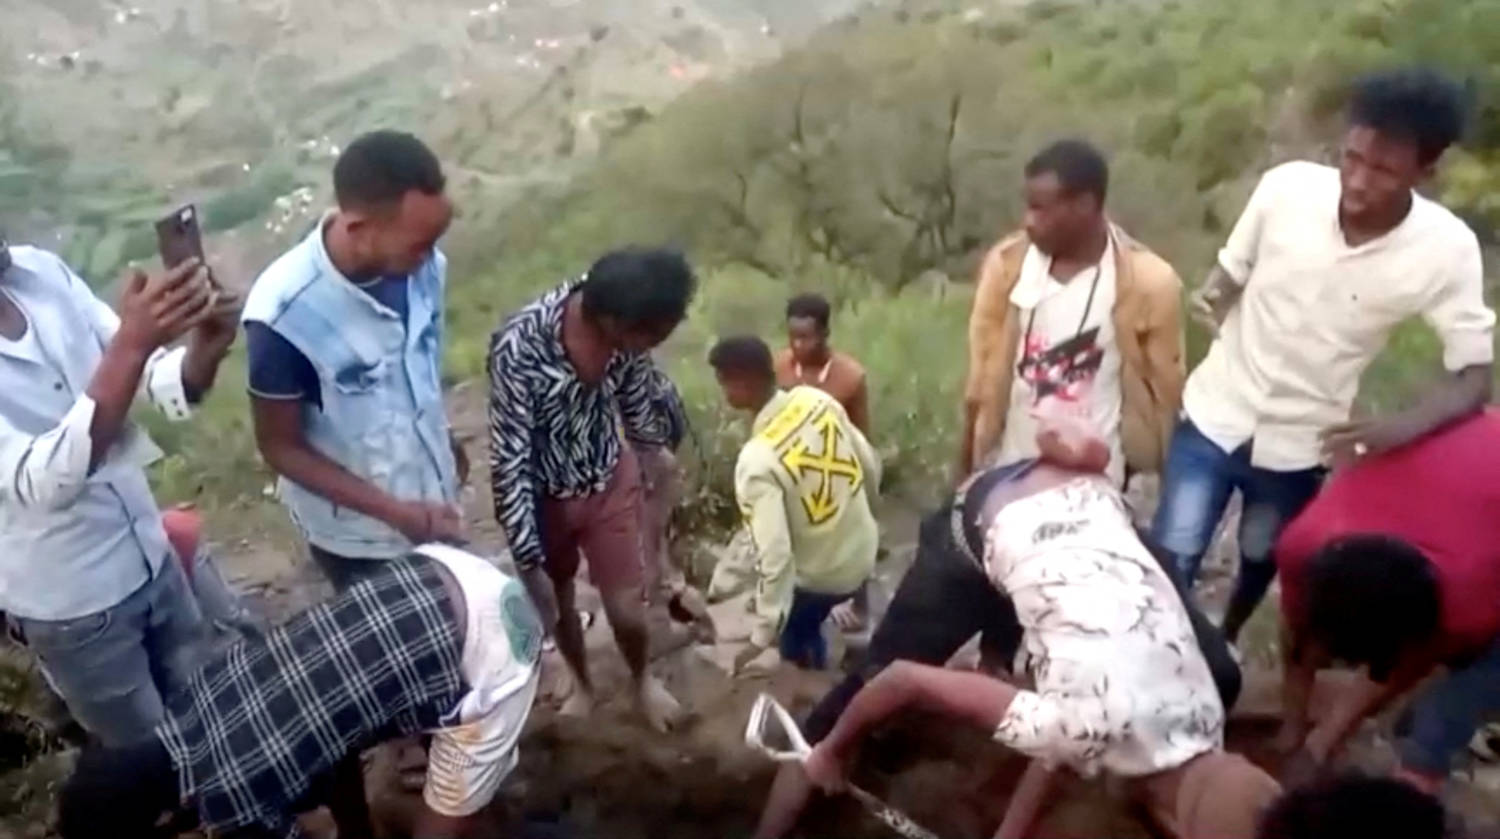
[742, 355]
[1416, 105]
[1354, 805]
[119, 793]
[1078, 165]
[379, 168]
[812, 306]
[640, 287]
[1368, 598]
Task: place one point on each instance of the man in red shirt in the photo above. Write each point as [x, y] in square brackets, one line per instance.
[1396, 566]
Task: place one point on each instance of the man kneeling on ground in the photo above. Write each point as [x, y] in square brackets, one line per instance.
[1395, 567]
[440, 642]
[1122, 685]
[803, 483]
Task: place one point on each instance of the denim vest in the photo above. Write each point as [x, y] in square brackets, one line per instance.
[382, 416]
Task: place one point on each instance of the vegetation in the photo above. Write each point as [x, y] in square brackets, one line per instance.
[889, 147]
[892, 144]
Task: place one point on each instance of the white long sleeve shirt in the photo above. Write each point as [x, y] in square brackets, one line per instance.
[72, 541]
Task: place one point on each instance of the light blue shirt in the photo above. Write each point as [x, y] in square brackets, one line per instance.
[72, 541]
[381, 415]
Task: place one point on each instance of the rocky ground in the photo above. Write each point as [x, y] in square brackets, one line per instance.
[611, 776]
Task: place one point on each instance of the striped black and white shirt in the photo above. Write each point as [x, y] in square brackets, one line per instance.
[550, 432]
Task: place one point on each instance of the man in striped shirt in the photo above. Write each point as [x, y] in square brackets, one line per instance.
[570, 382]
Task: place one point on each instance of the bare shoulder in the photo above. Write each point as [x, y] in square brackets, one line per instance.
[856, 371]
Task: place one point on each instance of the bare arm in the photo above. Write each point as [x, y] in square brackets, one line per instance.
[154, 312]
[1457, 312]
[1364, 698]
[433, 825]
[1026, 801]
[1300, 664]
[209, 344]
[859, 407]
[1211, 303]
[113, 390]
[1455, 397]
[968, 696]
[278, 434]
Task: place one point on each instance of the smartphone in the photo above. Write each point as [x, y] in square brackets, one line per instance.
[179, 238]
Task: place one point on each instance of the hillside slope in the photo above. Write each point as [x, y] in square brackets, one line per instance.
[110, 113]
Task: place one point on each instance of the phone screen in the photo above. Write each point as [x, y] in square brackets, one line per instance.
[178, 236]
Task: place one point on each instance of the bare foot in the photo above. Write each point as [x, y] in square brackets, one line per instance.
[661, 710]
[579, 705]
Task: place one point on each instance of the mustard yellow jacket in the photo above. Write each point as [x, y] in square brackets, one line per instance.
[1148, 326]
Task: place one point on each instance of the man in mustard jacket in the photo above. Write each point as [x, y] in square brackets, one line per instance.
[1072, 316]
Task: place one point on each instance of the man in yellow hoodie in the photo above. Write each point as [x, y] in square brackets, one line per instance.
[803, 483]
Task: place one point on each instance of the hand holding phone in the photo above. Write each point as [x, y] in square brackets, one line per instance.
[179, 238]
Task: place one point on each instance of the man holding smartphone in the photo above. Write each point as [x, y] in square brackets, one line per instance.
[86, 577]
[345, 340]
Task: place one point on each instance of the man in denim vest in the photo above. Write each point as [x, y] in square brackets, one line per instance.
[345, 339]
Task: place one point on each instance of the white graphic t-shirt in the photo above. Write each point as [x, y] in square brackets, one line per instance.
[1068, 361]
[476, 747]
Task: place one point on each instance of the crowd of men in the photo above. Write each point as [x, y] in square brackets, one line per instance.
[1097, 658]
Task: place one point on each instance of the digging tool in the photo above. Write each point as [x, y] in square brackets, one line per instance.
[767, 715]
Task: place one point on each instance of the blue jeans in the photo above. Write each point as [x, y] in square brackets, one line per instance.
[1196, 485]
[802, 637]
[113, 668]
[1442, 719]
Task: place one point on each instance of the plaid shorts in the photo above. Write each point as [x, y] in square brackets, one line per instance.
[255, 727]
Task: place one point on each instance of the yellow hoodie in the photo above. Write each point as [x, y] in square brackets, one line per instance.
[803, 482]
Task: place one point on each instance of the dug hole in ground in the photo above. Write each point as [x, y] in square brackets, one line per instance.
[610, 776]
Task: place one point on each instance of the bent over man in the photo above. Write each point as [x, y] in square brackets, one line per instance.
[439, 641]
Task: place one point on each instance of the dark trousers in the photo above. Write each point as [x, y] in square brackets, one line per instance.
[343, 571]
[945, 599]
[802, 638]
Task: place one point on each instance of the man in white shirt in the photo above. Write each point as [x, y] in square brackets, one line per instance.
[1321, 267]
[85, 574]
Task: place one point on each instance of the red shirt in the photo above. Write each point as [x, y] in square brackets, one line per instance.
[1442, 496]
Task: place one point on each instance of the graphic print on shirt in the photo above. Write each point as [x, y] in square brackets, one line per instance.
[522, 626]
[1064, 371]
[813, 448]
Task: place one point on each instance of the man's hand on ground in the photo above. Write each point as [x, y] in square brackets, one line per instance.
[155, 311]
